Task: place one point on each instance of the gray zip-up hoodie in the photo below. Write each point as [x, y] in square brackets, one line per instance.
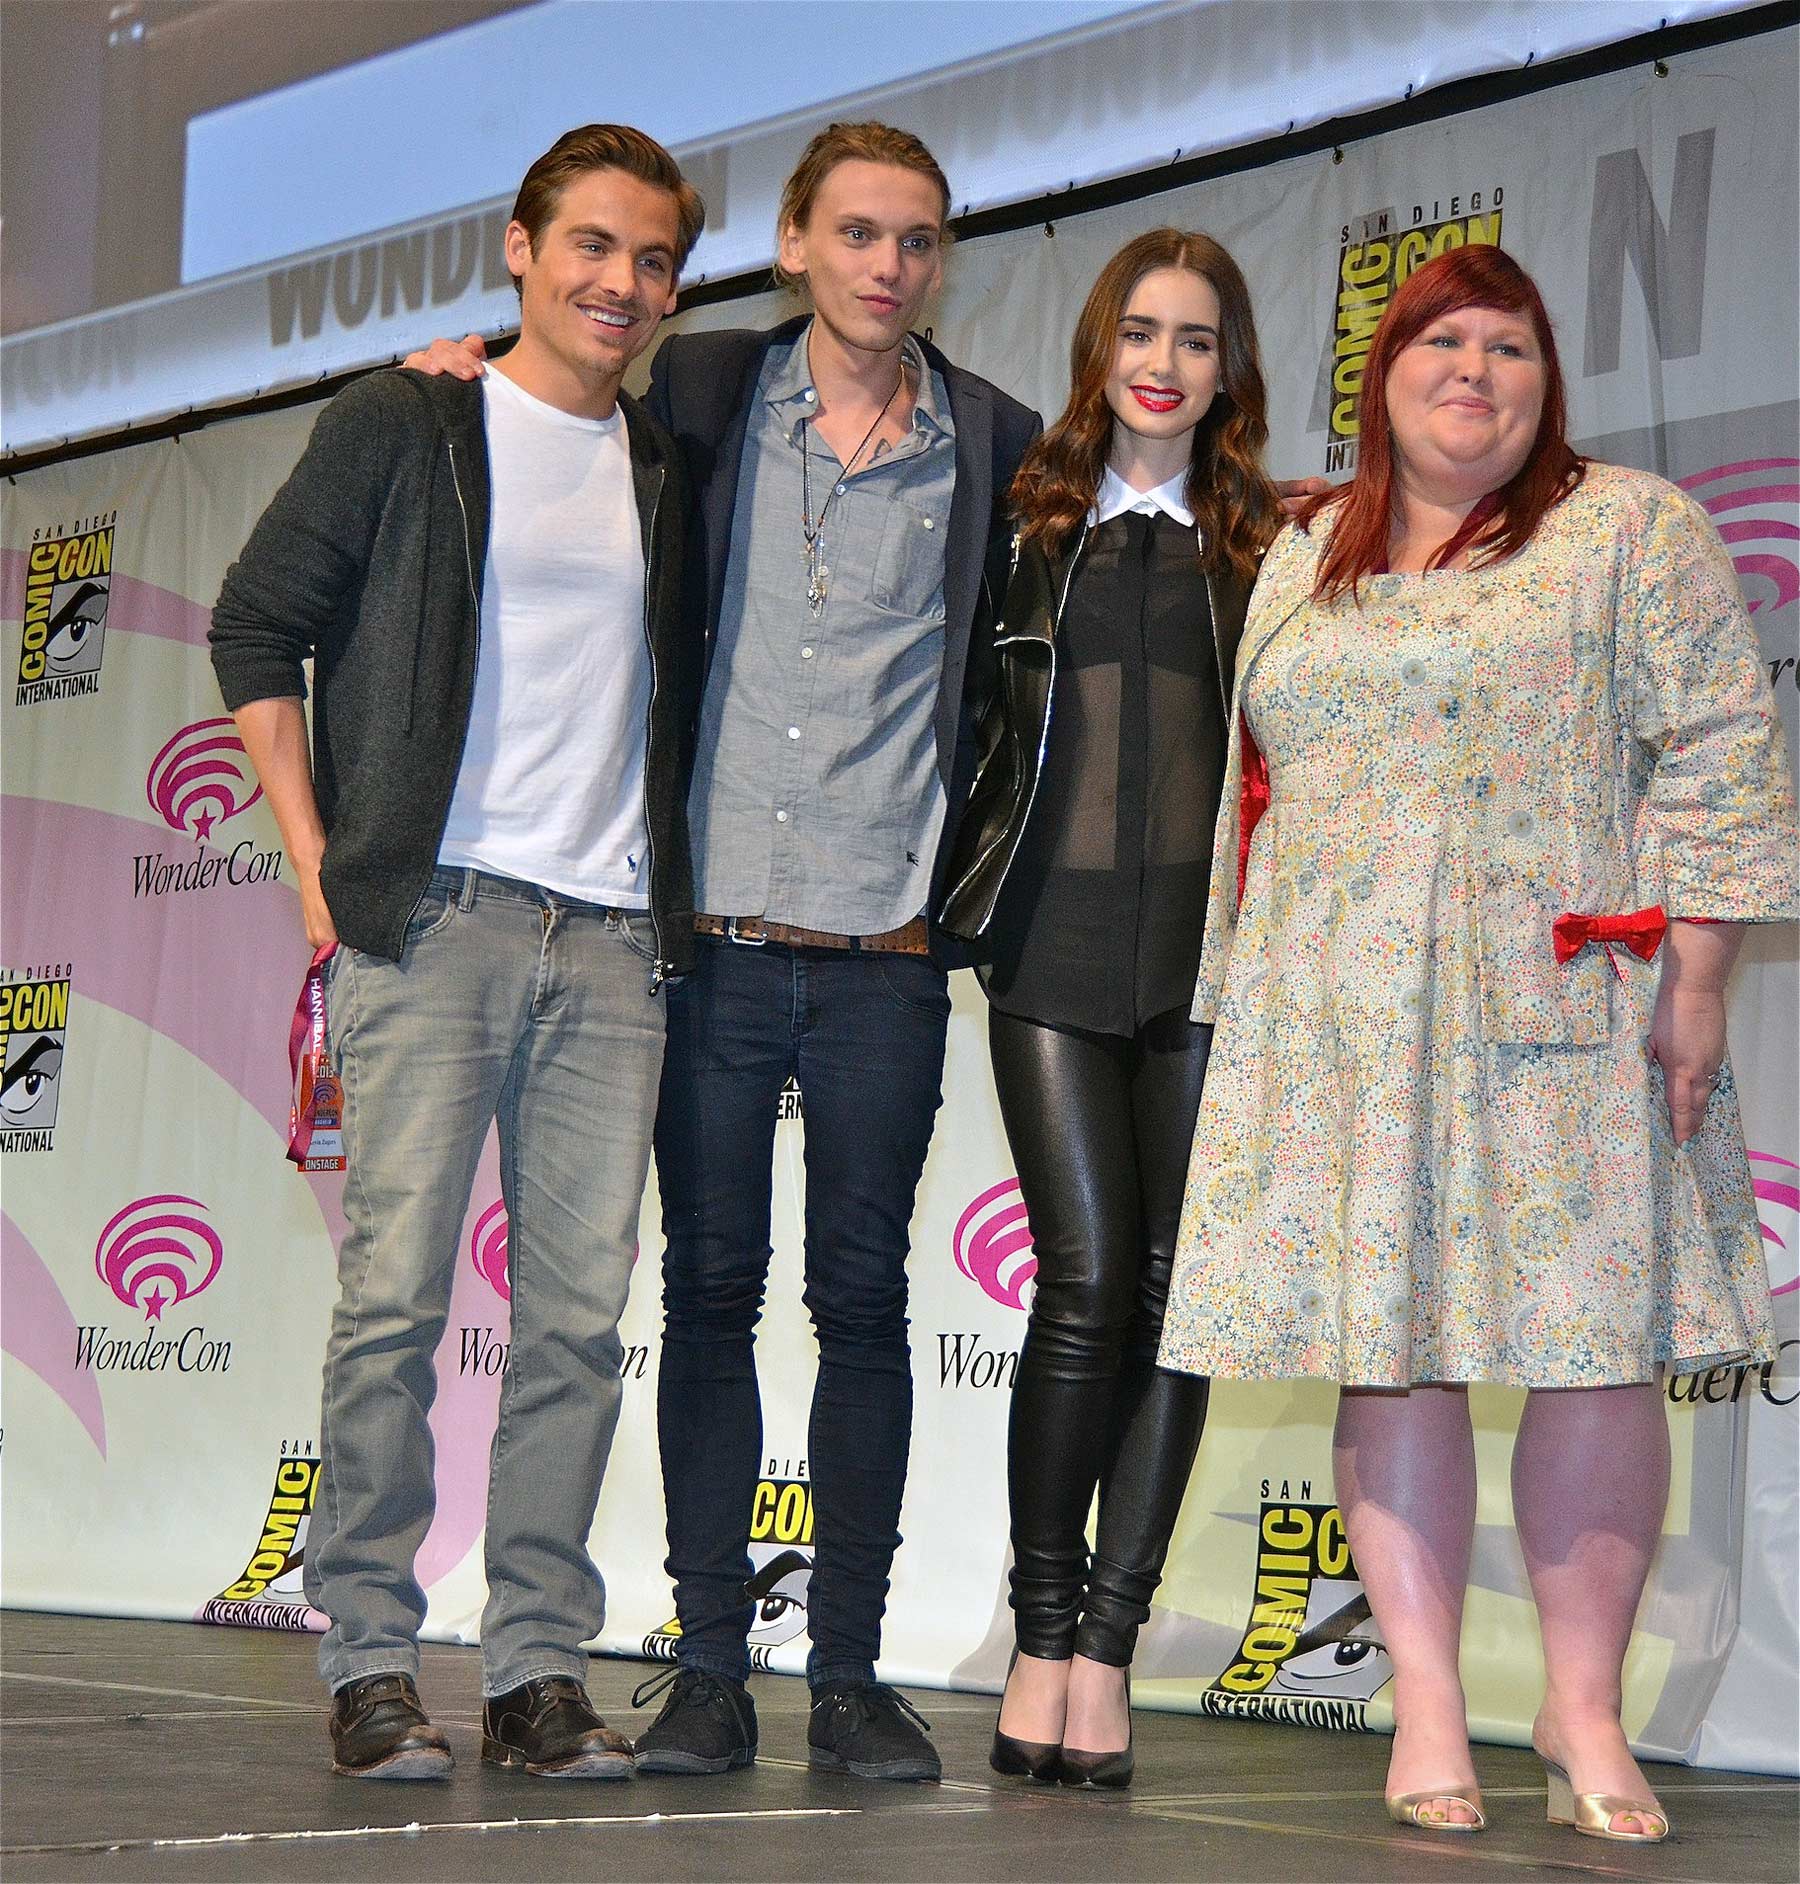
[369, 562]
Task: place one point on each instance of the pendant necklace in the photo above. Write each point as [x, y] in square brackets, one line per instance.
[812, 529]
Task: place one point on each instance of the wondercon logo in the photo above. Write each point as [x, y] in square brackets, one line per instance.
[1774, 1180]
[1755, 504]
[201, 778]
[487, 1249]
[157, 1252]
[992, 1244]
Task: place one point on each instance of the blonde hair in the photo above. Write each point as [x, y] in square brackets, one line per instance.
[846, 143]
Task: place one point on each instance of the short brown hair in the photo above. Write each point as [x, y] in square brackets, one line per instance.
[607, 147]
[869, 143]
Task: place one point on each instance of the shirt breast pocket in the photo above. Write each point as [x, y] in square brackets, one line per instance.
[909, 563]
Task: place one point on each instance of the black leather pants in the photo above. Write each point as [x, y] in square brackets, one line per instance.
[1100, 1129]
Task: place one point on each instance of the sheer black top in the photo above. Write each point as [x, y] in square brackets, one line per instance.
[1099, 923]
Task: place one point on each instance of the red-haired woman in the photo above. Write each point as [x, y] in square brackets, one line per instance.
[1081, 865]
[1470, 1115]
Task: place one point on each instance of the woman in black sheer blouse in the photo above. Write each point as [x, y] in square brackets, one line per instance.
[1081, 867]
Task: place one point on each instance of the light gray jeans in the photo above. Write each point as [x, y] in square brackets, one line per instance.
[513, 1004]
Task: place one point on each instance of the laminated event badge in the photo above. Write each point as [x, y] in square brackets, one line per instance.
[316, 1119]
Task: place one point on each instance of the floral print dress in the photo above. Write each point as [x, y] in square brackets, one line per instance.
[1427, 1150]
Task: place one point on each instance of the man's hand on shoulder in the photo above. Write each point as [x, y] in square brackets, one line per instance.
[1295, 493]
[461, 359]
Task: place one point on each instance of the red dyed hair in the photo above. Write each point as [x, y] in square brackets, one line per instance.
[1477, 275]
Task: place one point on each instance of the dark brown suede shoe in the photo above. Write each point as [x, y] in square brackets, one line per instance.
[549, 1727]
[379, 1731]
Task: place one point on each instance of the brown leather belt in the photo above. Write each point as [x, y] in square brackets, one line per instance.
[912, 938]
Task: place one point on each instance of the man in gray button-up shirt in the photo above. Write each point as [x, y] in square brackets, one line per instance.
[805, 808]
[849, 483]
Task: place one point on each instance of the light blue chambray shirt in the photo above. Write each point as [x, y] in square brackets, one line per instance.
[816, 798]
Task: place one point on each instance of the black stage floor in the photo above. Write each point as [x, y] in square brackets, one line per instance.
[164, 1751]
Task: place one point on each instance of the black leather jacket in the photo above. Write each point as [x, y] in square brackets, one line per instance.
[1015, 689]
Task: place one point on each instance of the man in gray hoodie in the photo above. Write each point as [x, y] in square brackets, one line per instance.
[488, 834]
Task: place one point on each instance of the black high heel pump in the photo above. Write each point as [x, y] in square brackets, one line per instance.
[1022, 1759]
[1078, 1768]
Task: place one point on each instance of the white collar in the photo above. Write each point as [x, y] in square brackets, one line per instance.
[1115, 497]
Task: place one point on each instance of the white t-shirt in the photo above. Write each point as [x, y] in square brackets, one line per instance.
[551, 789]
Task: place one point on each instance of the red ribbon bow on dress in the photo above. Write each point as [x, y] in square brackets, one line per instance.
[1641, 931]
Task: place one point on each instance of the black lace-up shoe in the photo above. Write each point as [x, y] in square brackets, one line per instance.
[379, 1731]
[549, 1727]
[865, 1728]
[707, 1725]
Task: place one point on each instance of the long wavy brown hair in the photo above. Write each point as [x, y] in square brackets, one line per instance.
[1232, 499]
[1478, 275]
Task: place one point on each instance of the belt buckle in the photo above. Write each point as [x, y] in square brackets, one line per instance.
[743, 941]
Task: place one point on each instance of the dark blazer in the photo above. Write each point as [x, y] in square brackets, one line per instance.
[368, 562]
[702, 387]
[1014, 684]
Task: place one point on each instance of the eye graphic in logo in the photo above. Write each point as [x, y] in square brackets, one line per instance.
[1339, 1652]
[154, 1253]
[77, 626]
[201, 778]
[1778, 1196]
[28, 1087]
[487, 1249]
[1756, 505]
[992, 1244]
[779, 1585]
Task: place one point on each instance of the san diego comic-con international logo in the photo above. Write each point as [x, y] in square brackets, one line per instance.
[68, 585]
[154, 1255]
[1310, 1653]
[34, 1025]
[270, 1593]
[483, 1347]
[1376, 251]
[781, 1558]
[202, 778]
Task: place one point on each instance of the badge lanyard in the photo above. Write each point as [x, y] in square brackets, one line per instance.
[316, 1118]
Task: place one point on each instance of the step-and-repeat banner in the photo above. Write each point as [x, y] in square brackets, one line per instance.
[168, 1277]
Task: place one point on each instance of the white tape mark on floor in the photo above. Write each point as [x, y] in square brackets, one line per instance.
[419, 1829]
[1451, 1853]
[173, 1694]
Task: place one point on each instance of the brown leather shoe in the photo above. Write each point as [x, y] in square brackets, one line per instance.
[549, 1727]
[379, 1731]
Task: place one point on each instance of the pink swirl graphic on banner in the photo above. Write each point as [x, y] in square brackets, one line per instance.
[149, 1245]
[1765, 548]
[1783, 1192]
[487, 1247]
[992, 1244]
[201, 778]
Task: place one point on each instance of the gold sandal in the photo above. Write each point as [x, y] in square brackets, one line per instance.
[1592, 1813]
[1408, 1808]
